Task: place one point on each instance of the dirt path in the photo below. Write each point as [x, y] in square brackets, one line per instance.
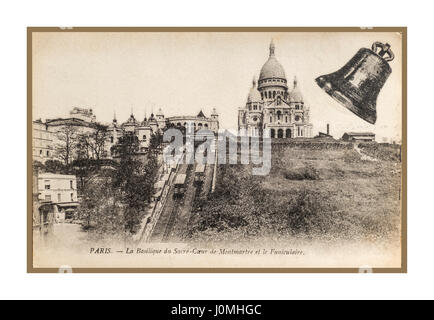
[362, 155]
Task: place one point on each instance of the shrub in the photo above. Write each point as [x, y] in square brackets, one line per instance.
[305, 173]
[381, 151]
[309, 212]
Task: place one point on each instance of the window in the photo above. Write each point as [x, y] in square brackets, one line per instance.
[274, 94]
[72, 197]
[59, 197]
[48, 153]
[71, 186]
[144, 137]
[288, 133]
[271, 119]
[47, 186]
[111, 140]
[40, 152]
[47, 197]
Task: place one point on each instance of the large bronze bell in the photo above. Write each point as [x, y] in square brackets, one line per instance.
[357, 84]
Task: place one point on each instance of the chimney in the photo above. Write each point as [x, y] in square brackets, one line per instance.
[328, 129]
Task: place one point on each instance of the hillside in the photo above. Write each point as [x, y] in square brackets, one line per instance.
[314, 189]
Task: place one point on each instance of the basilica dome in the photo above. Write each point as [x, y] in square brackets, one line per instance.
[254, 95]
[295, 94]
[272, 69]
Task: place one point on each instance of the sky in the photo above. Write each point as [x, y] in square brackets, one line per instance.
[185, 72]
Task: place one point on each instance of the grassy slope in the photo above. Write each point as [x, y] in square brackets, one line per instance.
[311, 191]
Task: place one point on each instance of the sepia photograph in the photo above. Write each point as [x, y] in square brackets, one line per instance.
[217, 149]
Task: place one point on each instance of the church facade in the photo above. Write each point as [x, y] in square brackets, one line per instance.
[157, 123]
[272, 105]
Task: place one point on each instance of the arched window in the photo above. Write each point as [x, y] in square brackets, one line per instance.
[288, 133]
[271, 119]
[144, 138]
[111, 139]
[273, 133]
[274, 94]
[278, 115]
[280, 133]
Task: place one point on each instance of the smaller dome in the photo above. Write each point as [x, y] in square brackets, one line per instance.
[295, 95]
[254, 95]
[131, 119]
[144, 122]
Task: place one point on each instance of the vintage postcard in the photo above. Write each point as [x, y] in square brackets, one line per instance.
[217, 149]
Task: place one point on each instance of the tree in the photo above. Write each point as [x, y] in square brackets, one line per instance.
[98, 209]
[155, 142]
[92, 144]
[67, 137]
[133, 181]
[84, 169]
[55, 166]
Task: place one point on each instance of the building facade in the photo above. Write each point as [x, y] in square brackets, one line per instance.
[49, 137]
[272, 105]
[60, 191]
[358, 136]
[42, 142]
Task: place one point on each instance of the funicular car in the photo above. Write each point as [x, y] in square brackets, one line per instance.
[179, 185]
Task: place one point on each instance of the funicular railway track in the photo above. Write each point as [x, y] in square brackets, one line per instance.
[178, 202]
[177, 212]
[170, 223]
[174, 211]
